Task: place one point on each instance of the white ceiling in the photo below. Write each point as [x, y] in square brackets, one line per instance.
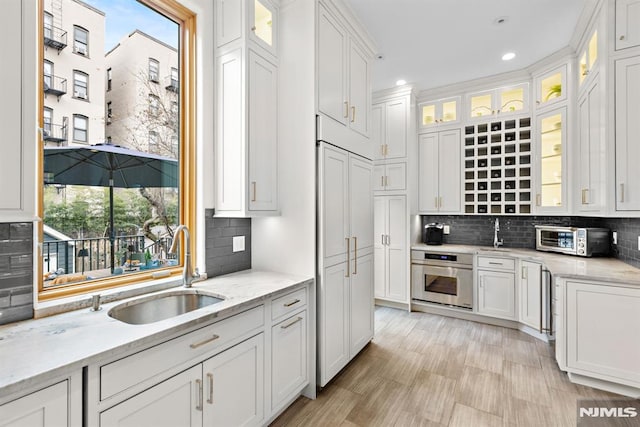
[432, 43]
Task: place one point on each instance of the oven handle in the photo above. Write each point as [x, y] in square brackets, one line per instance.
[442, 271]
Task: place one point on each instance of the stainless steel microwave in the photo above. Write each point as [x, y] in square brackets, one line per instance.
[585, 242]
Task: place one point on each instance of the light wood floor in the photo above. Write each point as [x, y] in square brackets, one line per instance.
[429, 370]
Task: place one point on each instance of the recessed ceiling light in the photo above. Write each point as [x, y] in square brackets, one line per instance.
[508, 56]
[401, 82]
[500, 20]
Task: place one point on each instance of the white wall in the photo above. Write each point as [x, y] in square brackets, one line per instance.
[288, 243]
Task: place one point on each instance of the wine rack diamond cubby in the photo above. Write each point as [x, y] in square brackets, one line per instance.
[497, 167]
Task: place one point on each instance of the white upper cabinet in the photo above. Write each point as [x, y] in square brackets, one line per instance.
[440, 112]
[498, 102]
[588, 58]
[343, 84]
[551, 87]
[592, 151]
[439, 182]
[552, 139]
[389, 124]
[627, 134]
[252, 20]
[627, 23]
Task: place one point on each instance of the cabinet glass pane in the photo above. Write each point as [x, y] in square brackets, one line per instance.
[512, 100]
[263, 21]
[551, 87]
[481, 105]
[428, 114]
[593, 49]
[551, 164]
[449, 111]
[582, 67]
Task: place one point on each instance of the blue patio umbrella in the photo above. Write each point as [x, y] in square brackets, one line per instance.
[106, 165]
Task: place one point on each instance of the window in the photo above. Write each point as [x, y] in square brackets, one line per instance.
[153, 141]
[120, 261]
[80, 85]
[154, 105]
[109, 113]
[80, 128]
[174, 107]
[154, 70]
[48, 118]
[48, 75]
[48, 26]
[174, 77]
[80, 40]
[109, 140]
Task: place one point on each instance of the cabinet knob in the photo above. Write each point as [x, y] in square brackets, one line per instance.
[253, 28]
[622, 37]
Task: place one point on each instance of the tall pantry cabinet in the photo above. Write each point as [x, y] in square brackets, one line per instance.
[345, 264]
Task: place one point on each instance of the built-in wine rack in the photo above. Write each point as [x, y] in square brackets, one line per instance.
[498, 167]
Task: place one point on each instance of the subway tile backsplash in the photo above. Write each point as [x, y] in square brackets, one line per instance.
[519, 232]
[220, 258]
[16, 272]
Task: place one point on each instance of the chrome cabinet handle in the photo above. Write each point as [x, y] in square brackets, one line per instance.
[382, 239]
[541, 329]
[293, 322]
[294, 302]
[386, 180]
[353, 113]
[253, 191]
[388, 240]
[495, 263]
[355, 255]
[210, 378]
[203, 342]
[348, 256]
[199, 393]
[346, 109]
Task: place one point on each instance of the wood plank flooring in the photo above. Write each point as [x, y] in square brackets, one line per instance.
[428, 370]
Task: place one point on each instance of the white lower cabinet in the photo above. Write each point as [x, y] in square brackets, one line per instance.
[390, 249]
[531, 295]
[361, 303]
[44, 408]
[601, 324]
[174, 402]
[496, 294]
[288, 358]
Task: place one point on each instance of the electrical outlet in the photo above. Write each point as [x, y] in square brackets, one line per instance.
[238, 243]
[615, 237]
[447, 229]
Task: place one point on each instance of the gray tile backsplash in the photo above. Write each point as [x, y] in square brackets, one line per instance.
[220, 258]
[518, 231]
[16, 272]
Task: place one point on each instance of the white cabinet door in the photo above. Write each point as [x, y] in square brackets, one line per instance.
[428, 173]
[449, 179]
[334, 320]
[332, 67]
[288, 358]
[531, 294]
[361, 204]
[45, 408]
[11, 162]
[380, 245]
[378, 129]
[263, 138]
[234, 386]
[496, 294]
[395, 176]
[335, 182]
[397, 114]
[627, 134]
[361, 304]
[591, 153]
[552, 129]
[358, 90]
[174, 402]
[627, 19]
[602, 324]
[397, 261]
[551, 87]
[228, 26]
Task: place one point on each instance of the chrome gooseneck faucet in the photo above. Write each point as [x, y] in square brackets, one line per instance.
[496, 228]
[187, 275]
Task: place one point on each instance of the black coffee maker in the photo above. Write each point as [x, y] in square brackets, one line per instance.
[433, 234]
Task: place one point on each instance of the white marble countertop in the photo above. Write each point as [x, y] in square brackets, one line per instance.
[34, 351]
[561, 266]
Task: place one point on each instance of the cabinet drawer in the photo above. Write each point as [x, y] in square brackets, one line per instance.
[125, 373]
[288, 303]
[496, 263]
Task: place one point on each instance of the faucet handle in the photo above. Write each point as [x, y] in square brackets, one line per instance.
[196, 273]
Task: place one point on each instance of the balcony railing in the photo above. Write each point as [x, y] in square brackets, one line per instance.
[55, 85]
[55, 37]
[172, 84]
[95, 253]
[54, 133]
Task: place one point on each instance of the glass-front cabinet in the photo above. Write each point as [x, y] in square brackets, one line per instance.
[552, 136]
[588, 58]
[551, 87]
[498, 102]
[440, 112]
[263, 15]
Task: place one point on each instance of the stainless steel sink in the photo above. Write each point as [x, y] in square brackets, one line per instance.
[162, 306]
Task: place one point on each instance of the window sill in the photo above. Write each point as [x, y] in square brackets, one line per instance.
[76, 302]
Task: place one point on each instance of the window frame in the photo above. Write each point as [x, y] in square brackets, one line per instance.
[49, 76]
[75, 83]
[46, 126]
[186, 19]
[76, 42]
[109, 78]
[156, 63]
[47, 27]
[75, 128]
